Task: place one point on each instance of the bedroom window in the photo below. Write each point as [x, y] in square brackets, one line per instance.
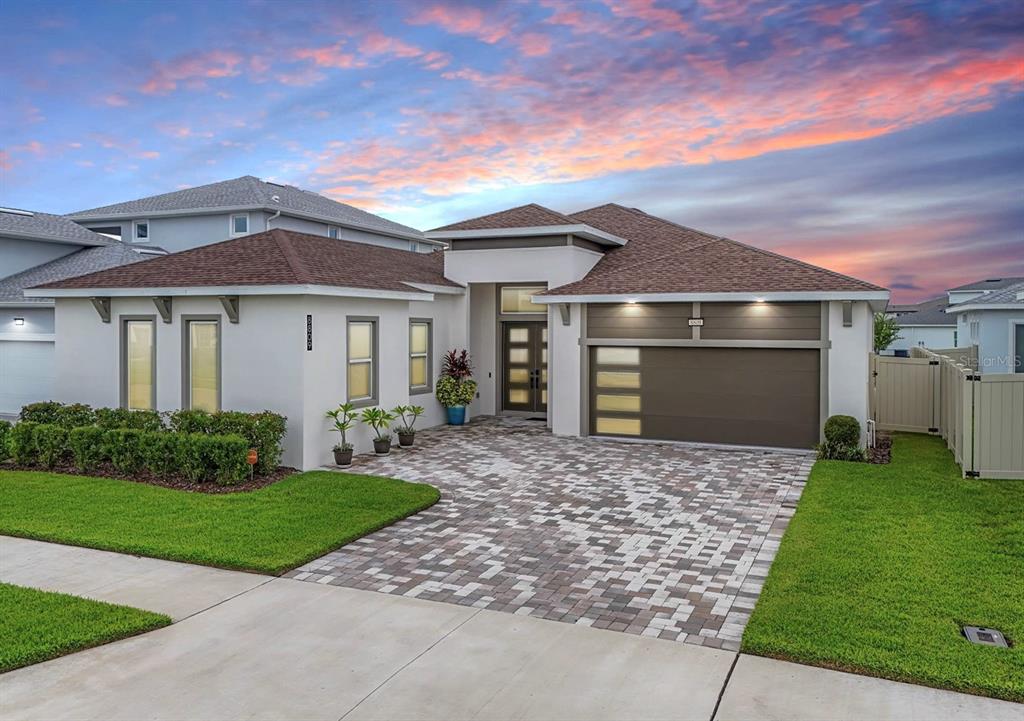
[362, 360]
[141, 233]
[420, 341]
[138, 364]
[202, 364]
[240, 224]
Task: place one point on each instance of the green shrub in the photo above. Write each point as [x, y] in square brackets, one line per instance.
[75, 415]
[5, 440]
[262, 431]
[124, 448]
[44, 412]
[830, 451]
[23, 442]
[843, 431]
[51, 442]
[160, 452]
[190, 456]
[143, 420]
[453, 392]
[191, 421]
[224, 457]
[87, 447]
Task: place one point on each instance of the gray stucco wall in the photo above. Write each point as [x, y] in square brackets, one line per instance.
[18, 254]
[312, 227]
[37, 320]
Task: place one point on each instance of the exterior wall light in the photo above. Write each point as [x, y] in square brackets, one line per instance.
[19, 321]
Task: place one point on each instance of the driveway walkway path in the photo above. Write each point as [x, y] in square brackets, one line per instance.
[660, 540]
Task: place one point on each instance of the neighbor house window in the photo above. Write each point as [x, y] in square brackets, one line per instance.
[138, 364]
[516, 299]
[141, 234]
[362, 360]
[202, 364]
[333, 232]
[240, 224]
[420, 341]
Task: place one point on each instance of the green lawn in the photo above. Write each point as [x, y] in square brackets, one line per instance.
[269, 530]
[882, 564]
[39, 625]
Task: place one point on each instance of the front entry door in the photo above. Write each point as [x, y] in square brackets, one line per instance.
[525, 366]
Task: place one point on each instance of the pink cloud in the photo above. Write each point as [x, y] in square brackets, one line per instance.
[837, 15]
[534, 44]
[462, 20]
[193, 69]
[116, 100]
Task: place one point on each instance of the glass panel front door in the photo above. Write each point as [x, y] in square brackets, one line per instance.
[524, 366]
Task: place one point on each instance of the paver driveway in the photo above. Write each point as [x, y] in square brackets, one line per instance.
[654, 539]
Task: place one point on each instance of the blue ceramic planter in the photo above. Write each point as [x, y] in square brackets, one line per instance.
[456, 415]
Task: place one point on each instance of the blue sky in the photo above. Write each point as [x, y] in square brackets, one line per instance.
[881, 139]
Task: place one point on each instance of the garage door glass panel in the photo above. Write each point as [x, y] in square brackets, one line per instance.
[618, 356]
[618, 426]
[618, 379]
[621, 403]
[203, 365]
[139, 335]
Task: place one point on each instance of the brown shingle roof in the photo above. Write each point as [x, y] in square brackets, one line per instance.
[275, 257]
[525, 216]
[664, 257]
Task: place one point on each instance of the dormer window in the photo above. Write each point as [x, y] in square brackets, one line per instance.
[240, 224]
[141, 234]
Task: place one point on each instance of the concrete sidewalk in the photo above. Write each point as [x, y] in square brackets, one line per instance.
[256, 647]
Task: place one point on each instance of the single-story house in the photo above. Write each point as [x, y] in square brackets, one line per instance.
[36, 248]
[923, 325]
[608, 321]
[994, 323]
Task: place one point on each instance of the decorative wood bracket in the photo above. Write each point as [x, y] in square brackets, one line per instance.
[163, 307]
[102, 306]
[563, 308]
[230, 303]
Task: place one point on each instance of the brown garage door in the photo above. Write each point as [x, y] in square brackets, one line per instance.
[751, 396]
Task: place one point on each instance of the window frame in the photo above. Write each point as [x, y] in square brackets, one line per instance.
[186, 357]
[231, 224]
[429, 355]
[374, 359]
[135, 231]
[334, 232]
[124, 320]
[525, 314]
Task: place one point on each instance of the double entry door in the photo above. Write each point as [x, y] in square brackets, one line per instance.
[525, 366]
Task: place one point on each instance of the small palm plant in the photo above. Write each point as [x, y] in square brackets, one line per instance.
[344, 417]
[379, 420]
[407, 415]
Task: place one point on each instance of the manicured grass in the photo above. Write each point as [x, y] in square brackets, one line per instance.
[40, 625]
[882, 565]
[270, 530]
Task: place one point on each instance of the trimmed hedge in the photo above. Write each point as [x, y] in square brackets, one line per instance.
[123, 446]
[160, 452]
[43, 412]
[51, 443]
[113, 418]
[842, 430]
[87, 447]
[5, 437]
[23, 442]
[262, 431]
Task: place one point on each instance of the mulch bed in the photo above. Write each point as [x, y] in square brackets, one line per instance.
[105, 470]
[882, 452]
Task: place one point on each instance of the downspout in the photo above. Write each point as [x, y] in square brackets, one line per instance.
[273, 217]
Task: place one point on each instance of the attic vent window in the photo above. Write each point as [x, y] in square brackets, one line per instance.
[985, 636]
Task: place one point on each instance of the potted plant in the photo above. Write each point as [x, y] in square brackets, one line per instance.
[379, 419]
[406, 432]
[455, 388]
[344, 417]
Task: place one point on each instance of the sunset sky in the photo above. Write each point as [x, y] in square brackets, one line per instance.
[880, 139]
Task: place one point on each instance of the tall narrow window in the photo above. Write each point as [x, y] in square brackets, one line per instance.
[202, 372]
[138, 362]
[362, 360]
[333, 232]
[420, 341]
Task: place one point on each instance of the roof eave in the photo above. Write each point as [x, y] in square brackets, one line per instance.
[962, 307]
[21, 235]
[872, 296]
[175, 291]
[582, 230]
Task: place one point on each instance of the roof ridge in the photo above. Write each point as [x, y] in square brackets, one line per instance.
[803, 263]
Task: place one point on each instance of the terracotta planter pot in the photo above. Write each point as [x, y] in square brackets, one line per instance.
[343, 458]
[382, 446]
[406, 439]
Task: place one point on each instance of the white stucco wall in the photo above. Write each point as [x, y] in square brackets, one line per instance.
[564, 369]
[553, 265]
[849, 365]
[996, 353]
[924, 337]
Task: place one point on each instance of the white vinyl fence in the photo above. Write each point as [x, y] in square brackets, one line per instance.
[981, 417]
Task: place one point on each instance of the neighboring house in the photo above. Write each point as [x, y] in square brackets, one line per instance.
[966, 334]
[604, 322]
[37, 248]
[924, 325]
[206, 214]
[994, 322]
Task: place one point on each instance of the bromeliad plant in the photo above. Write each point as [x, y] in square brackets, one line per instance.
[407, 415]
[344, 417]
[455, 388]
[379, 420]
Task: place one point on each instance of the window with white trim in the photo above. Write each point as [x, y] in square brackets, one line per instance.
[362, 361]
[240, 224]
[140, 233]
